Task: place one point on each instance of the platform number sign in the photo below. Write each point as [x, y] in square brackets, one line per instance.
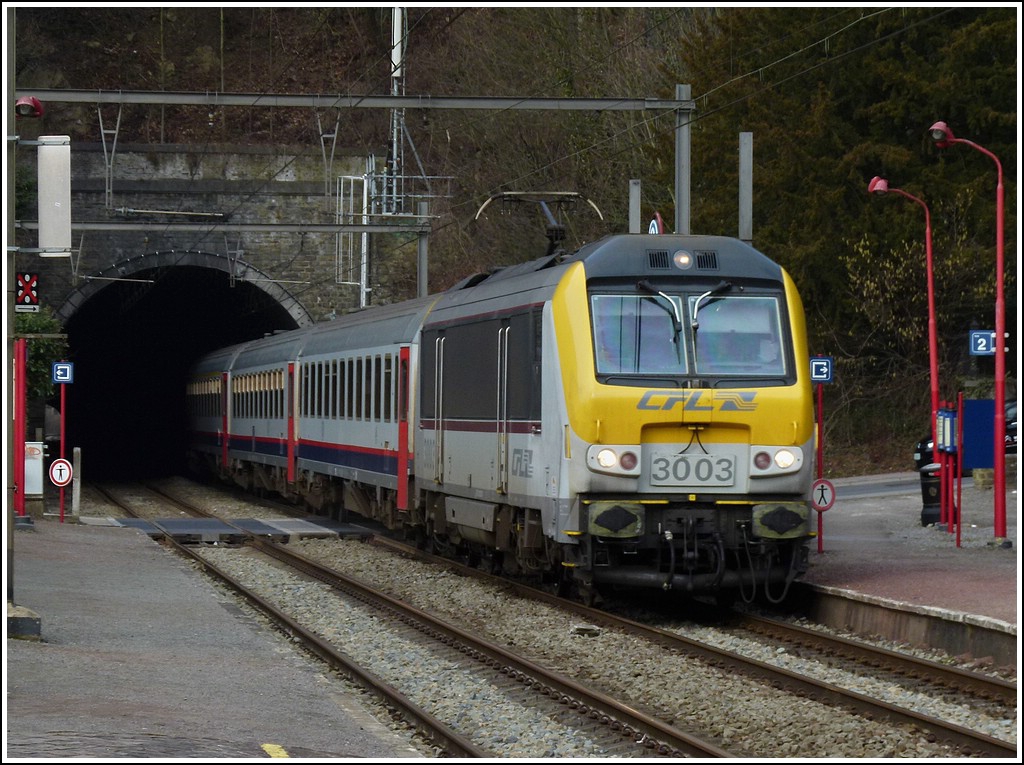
[821, 369]
[28, 293]
[983, 343]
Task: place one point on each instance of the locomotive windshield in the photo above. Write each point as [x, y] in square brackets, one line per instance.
[732, 336]
[636, 334]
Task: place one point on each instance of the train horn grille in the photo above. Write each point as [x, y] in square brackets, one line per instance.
[658, 259]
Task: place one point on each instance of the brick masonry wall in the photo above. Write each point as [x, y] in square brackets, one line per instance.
[253, 185]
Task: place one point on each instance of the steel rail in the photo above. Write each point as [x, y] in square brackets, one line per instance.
[959, 737]
[640, 725]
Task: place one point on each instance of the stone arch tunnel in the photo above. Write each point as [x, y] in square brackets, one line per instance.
[133, 332]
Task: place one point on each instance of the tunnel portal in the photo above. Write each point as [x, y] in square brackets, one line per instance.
[134, 332]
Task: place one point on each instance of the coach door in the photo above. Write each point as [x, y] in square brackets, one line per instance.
[225, 433]
[403, 429]
[290, 421]
[439, 409]
[501, 417]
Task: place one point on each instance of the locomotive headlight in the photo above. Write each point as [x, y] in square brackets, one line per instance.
[614, 460]
[682, 259]
[606, 458]
[762, 460]
[784, 458]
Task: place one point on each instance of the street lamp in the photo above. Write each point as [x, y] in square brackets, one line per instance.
[881, 186]
[944, 138]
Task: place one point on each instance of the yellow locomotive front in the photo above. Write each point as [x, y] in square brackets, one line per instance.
[690, 438]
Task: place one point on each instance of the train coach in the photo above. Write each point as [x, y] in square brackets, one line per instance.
[635, 414]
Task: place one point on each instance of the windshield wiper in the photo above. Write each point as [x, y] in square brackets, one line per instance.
[673, 309]
[722, 287]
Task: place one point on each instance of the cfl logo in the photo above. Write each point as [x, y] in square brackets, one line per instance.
[698, 401]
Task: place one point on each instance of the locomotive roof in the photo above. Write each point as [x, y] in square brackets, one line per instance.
[651, 254]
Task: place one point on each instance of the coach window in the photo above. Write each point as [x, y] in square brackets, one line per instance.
[343, 388]
[321, 380]
[368, 389]
[403, 387]
[333, 401]
[378, 399]
[311, 392]
[280, 393]
[388, 388]
[357, 394]
[321, 394]
[350, 390]
[317, 386]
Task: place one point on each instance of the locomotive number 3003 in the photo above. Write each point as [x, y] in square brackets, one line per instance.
[691, 470]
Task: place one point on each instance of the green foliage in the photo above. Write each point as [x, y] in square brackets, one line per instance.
[42, 351]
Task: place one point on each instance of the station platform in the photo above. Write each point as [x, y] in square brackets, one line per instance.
[873, 543]
[136, 657]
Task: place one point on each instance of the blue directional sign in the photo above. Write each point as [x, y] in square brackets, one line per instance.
[63, 372]
[983, 343]
[821, 369]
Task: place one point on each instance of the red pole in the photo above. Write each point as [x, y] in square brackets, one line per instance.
[20, 369]
[880, 185]
[821, 455]
[1000, 420]
[957, 506]
[63, 410]
[944, 137]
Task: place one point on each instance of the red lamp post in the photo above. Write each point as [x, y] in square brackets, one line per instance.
[944, 138]
[881, 186]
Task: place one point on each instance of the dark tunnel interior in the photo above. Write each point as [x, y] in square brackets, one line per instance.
[132, 344]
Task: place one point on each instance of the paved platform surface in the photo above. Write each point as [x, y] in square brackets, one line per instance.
[873, 543]
[161, 665]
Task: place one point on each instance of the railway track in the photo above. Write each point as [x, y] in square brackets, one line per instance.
[598, 718]
[860, 659]
[959, 741]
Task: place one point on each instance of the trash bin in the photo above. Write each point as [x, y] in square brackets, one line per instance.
[931, 487]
